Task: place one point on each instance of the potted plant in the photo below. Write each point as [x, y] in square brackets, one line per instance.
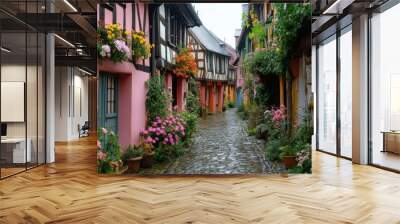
[288, 156]
[148, 155]
[132, 157]
[141, 48]
[112, 43]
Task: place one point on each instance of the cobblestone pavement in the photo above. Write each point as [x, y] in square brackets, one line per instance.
[221, 145]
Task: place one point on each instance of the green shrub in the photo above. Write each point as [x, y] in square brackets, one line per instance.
[193, 98]
[191, 122]
[251, 131]
[157, 98]
[262, 96]
[169, 152]
[264, 63]
[262, 130]
[255, 115]
[273, 146]
[287, 150]
[242, 111]
[305, 130]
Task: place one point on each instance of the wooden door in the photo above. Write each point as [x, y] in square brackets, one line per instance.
[108, 102]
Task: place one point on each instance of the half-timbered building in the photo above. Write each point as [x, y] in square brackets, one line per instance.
[122, 89]
[212, 60]
[170, 30]
[230, 89]
[122, 85]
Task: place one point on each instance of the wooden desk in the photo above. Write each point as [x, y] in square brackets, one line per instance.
[13, 150]
[391, 141]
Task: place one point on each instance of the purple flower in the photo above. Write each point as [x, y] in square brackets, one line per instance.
[122, 47]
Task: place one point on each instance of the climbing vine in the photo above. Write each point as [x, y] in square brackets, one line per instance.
[157, 98]
[258, 30]
[290, 19]
[263, 63]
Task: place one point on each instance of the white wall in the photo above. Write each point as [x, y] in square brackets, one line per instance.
[71, 102]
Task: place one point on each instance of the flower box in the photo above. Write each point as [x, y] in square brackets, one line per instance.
[106, 65]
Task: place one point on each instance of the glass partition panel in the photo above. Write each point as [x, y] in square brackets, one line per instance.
[346, 93]
[385, 89]
[32, 97]
[15, 150]
[41, 99]
[327, 96]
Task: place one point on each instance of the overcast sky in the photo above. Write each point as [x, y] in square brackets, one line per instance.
[221, 18]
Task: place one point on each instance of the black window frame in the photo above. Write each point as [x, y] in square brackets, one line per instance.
[111, 86]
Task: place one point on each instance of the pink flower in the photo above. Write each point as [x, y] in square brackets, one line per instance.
[145, 132]
[101, 155]
[104, 130]
[98, 144]
[149, 139]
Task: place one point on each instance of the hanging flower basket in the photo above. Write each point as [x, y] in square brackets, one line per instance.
[185, 63]
[141, 48]
[112, 43]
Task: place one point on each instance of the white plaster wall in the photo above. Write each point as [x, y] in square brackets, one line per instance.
[69, 82]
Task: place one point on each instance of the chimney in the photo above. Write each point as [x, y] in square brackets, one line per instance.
[237, 34]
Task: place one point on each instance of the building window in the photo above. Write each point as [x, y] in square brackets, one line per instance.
[346, 93]
[327, 96]
[176, 30]
[210, 62]
[385, 89]
[22, 87]
[111, 96]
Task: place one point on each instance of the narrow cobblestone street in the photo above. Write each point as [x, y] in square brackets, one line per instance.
[222, 146]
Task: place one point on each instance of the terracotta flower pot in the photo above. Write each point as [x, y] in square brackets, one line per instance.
[147, 160]
[134, 164]
[289, 161]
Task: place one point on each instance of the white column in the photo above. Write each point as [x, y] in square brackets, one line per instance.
[360, 90]
[314, 94]
[50, 108]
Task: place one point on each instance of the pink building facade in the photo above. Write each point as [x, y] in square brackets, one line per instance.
[122, 86]
[172, 22]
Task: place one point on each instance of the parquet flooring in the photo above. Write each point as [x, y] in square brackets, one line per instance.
[70, 191]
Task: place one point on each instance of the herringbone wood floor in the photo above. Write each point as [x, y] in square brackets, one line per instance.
[70, 191]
